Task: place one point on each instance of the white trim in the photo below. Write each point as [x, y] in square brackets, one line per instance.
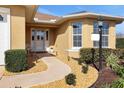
[74, 49]
[102, 47]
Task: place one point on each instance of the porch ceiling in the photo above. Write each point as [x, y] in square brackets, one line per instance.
[30, 12]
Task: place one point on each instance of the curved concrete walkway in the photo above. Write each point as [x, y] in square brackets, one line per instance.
[1, 71]
[56, 71]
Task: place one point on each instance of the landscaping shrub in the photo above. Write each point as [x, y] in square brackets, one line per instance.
[120, 43]
[85, 68]
[121, 52]
[16, 60]
[70, 79]
[118, 84]
[86, 54]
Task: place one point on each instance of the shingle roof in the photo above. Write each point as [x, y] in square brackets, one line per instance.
[42, 16]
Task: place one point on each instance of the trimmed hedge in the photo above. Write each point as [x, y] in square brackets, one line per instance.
[16, 60]
[87, 53]
[120, 43]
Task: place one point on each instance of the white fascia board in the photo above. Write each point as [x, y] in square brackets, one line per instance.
[44, 21]
[104, 15]
[85, 14]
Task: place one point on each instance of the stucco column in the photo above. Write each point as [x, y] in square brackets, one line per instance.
[112, 36]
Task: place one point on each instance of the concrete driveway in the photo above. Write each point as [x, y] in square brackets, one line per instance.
[57, 70]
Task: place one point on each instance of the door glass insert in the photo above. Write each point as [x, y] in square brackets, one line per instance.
[38, 37]
[46, 35]
[32, 37]
[42, 38]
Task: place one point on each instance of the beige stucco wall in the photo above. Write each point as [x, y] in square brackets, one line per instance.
[87, 32]
[17, 25]
[62, 40]
[64, 37]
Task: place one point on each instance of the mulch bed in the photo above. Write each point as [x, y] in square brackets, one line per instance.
[106, 76]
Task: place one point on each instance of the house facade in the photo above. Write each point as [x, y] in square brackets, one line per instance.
[23, 28]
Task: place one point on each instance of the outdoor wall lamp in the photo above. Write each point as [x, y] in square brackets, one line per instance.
[100, 26]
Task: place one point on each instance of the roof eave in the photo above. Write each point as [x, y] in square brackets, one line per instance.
[117, 19]
[95, 16]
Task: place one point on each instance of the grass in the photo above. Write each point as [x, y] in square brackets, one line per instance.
[83, 80]
[37, 67]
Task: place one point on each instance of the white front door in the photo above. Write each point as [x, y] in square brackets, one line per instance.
[38, 40]
[4, 33]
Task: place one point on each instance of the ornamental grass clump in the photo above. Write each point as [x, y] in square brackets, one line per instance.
[112, 62]
[118, 83]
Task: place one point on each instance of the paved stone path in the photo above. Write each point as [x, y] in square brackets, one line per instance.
[56, 71]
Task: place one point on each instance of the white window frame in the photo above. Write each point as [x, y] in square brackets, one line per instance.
[102, 35]
[74, 47]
